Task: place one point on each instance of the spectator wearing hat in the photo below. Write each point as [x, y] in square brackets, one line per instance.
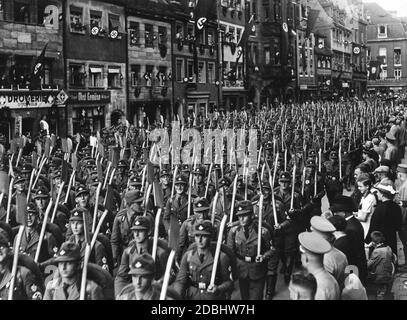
[193, 279]
[367, 203]
[392, 152]
[26, 286]
[313, 247]
[401, 199]
[252, 269]
[288, 246]
[141, 243]
[333, 185]
[177, 206]
[121, 232]
[98, 254]
[142, 272]
[30, 240]
[303, 286]
[67, 285]
[381, 172]
[344, 206]
[387, 217]
[335, 261]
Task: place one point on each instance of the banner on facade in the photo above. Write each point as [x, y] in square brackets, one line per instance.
[87, 96]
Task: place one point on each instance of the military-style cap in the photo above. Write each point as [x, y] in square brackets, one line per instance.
[135, 181]
[133, 196]
[185, 168]
[95, 181]
[42, 192]
[165, 172]
[56, 174]
[203, 228]
[122, 164]
[244, 207]
[26, 168]
[224, 182]
[77, 214]
[268, 145]
[333, 154]
[342, 203]
[90, 163]
[266, 185]
[310, 163]
[142, 265]
[200, 171]
[322, 224]
[69, 251]
[285, 176]
[81, 190]
[141, 223]
[313, 243]
[385, 188]
[402, 168]
[19, 179]
[201, 204]
[32, 208]
[181, 180]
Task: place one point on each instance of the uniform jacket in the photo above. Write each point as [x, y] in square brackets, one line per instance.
[335, 262]
[121, 234]
[26, 286]
[48, 248]
[98, 254]
[127, 293]
[55, 290]
[327, 286]
[177, 207]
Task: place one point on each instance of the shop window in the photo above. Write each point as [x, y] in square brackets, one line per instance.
[135, 74]
[76, 19]
[95, 77]
[201, 72]
[134, 31]
[114, 77]
[76, 75]
[211, 72]
[180, 70]
[149, 36]
[21, 12]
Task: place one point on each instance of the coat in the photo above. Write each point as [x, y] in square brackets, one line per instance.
[55, 291]
[177, 208]
[48, 248]
[121, 234]
[380, 265]
[356, 235]
[26, 286]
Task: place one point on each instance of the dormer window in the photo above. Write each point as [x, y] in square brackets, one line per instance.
[382, 32]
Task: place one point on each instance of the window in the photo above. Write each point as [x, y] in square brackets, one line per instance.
[383, 53]
[238, 34]
[382, 31]
[162, 75]
[180, 70]
[21, 12]
[179, 28]
[232, 34]
[201, 72]
[223, 32]
[95, 77]
[211, 72]
[22, 69]
[397, 74]
[148, 35]
[148, 76]
[47, 75]
[162, 34]
[190, 71]
[95, 19]
[267, 55]
[277, 9]
[397, 57]
[76, 75]
[76, 19]
[114, 77]
[114, 25]
[240, 71]
[135, 74]
[211, 37]
[190, 30]
[134, 32]
[266, 9]
[276, 54]
[383, 73]
[3, 66]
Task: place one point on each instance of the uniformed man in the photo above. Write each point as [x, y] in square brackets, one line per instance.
[121, 233]
[333, 185]
[243, 241]
[177, 206]
[194, 276]
[312, 248]
[335, 261]
[392, 152]
[140, 244]
[401, 198]
[142, 272]
[67, 285]
[199, 186]
[165, 181]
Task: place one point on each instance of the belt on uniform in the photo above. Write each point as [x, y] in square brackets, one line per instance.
[246, 258]
[199, 285]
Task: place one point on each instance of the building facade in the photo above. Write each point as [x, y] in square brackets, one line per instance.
[387, 41]
[26, 28]
[95, 53]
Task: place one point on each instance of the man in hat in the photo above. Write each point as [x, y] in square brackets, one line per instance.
[77, 225]
[67, 285]
[177, 206]
[344, 206]
[288, 246]
[165, 182]
[401, 199]
[142, 272]
[199, 186]
[30, 240]
[381, 172]
[252, 268]
[26, 285]
[378, 148]
[121, 233]
[121, 176]
[313, 248]
[335, 261]
[193, 278]
[333, 185]
[392, 152]
[140, 244]
[387, 217]
[224, 201]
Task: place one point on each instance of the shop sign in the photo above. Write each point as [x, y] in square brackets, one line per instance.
[86, 96]
[18, 100]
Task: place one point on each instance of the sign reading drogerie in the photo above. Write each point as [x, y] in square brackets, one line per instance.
[88, 96]
[18, 100]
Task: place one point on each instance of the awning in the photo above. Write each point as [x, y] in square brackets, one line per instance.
[95, 70]
[114, 70]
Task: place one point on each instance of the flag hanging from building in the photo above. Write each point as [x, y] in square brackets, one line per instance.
[285, 43]
[37, 71]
